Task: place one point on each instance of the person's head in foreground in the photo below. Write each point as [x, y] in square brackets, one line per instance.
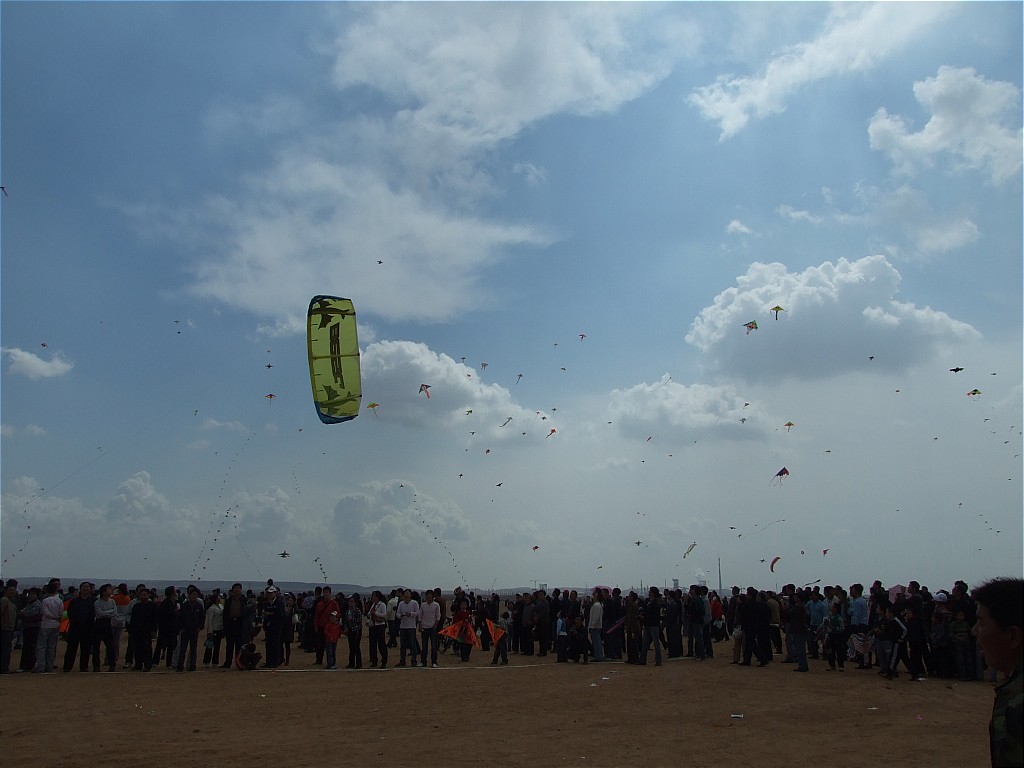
[1000, 624]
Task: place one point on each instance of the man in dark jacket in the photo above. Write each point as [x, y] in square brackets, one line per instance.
[234, 616]
[144, 623]
[191, 619]
[81, 617]
[273, 627]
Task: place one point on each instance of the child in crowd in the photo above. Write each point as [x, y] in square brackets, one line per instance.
[835, 632]
[579, 642]
[332, 633]
[501, 647]
[561, 639]
[248, 655]
[883, 643]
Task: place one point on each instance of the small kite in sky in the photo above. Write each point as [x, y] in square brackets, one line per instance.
[549, 434]
[284, 554]
[373, 407]
[483, 366]
[469, 412]
[425, 389]
[44, 345]
[751, 326]
[974, 393]
[270, 397]
[4, 190]
[380, 261]
[774, 561]
[955, 370]
[583, 336]
[743, 420]
[779, 475]
[638, 542]
[269, 365]
[535, 547]
[789, 425]
[507, 421]
[518, 377]
[689, 549]
[776, 309]
[824, 552]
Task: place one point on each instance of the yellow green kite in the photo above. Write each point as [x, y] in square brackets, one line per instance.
[333, 358]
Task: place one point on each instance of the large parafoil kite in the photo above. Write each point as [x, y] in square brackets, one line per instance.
[333, 358]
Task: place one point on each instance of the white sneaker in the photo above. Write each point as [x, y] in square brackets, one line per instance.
[434, 666]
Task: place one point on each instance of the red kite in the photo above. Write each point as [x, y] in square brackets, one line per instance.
[751, 326]
[774, 561]
[779, 475]
[270, 397]
[425, 389]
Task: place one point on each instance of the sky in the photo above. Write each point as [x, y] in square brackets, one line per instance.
[560, 214]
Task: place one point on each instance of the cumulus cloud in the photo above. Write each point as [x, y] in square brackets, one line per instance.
[534, 175]
[973, 120]
[33, 366]
[907, 212]
[789, 213]
[395, 515]
[737, 227]
[394, 371]
[856, 38]
[34, 430]
[682, 413]
[231, 426]
[837, 315]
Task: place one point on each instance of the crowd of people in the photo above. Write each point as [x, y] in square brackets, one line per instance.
[940, 634]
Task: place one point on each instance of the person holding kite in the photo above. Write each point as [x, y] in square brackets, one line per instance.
[461, 630]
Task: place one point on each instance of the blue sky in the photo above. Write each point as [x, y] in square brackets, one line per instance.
[183, 177]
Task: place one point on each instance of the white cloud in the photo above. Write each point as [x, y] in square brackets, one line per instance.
[974, 120]
[837, 315]
[790, 213]
[907, 211]
[34, 367]
[394, 370]
[6, 430]
[232, 426]
[484, 72]
[680, 413]
[737, 227]
[856, 39]
[34, 430]
[534, 175]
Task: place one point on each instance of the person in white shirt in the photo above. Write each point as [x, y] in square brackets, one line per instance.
[430, 618]
[46, 649]
[407, 614]
[376, 617]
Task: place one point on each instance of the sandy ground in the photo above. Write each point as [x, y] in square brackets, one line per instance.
[531, 713]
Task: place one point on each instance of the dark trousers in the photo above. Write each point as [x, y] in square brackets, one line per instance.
[320, 646]
[526, 641]
[103, 633]
[378, 644]
[30, 636]
[428, 637]
[142, 650]
[355, 652]
[166, 643]
[274, 655]
[79, 639]
[500, 650]
[543, 638]
[408, 643]
[233, 640]
[212, 655]
[189, 642]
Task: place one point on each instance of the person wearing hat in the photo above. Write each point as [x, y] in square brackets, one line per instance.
[273, 628]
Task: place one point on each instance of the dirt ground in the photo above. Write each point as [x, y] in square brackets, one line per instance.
[531, 713]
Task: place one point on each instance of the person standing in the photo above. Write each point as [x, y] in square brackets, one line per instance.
[377, 618]
[542, 622]
[145, 622]
[103, 628]
[430, 620]
[273, 627]
[798, 632]
[327, 606]
[234, 622]
[595, 626]
[167, 633]
[652, 626]
[51, 610]
[191, 619]
[407, 613]
[354, 630]
[214, 631]
[393, 601]
[31, 616]
[8, 620]
[81, 617]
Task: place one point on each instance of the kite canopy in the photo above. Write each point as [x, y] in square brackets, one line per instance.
[333, 358]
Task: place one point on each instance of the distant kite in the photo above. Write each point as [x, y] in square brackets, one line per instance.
[583, 336]
[751, 326]
[549, 434]
[425, 389]
[333, 358]
[270, 397]
[776, 309]
[955, 370]
[689, 549]
[535, 547]
[974, 393]
[483, 366]
[789, 425]
[824, 552]
[373, 407]
[507, 421]
[518, 377]
[779, 475]
[284, 554]
[774, 561]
